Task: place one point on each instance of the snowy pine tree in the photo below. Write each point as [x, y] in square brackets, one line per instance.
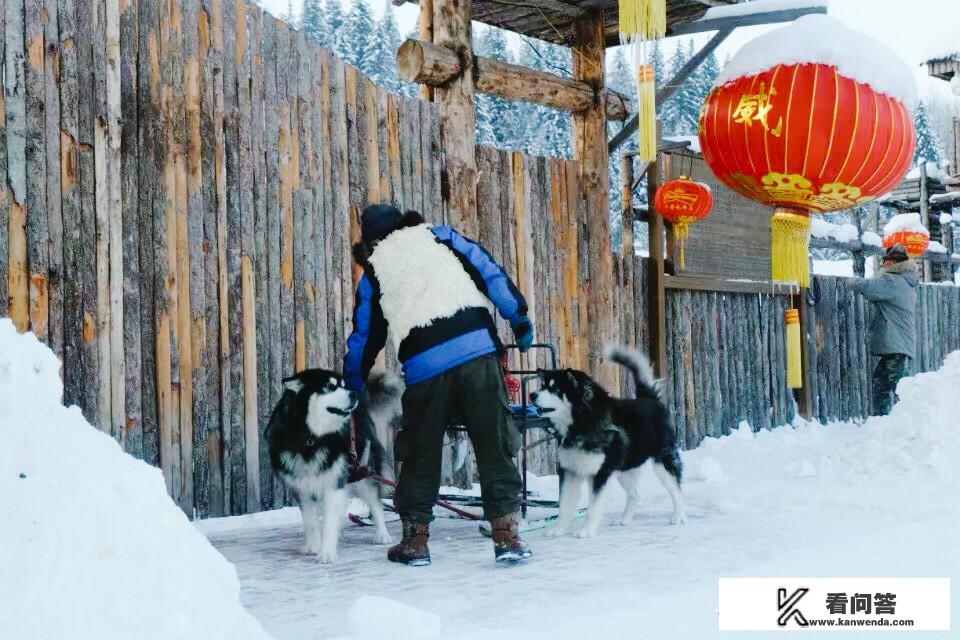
[495, 127]
[620, 78]
[545, 131]
[384, 52]
[358, 38]
[928, 143]
[313, 21]
[334, 29]
[289, 16]
[659, 65]
[703, 79]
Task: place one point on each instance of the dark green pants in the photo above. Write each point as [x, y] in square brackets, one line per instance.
[472, 395]
[891, 368]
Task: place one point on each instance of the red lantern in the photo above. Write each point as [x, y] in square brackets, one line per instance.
[683, 202]
[802, 138]
[915, 242]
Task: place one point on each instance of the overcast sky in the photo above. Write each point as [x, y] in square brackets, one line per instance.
[909, 27]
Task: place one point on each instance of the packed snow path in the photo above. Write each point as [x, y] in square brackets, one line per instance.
[847, 500]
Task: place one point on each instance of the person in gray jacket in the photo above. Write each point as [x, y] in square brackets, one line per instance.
[893, 332]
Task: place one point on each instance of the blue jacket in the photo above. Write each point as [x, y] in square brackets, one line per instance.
[430, 290]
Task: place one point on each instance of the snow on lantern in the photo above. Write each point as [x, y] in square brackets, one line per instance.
[809, 118]
[908, 230]
[683, 202]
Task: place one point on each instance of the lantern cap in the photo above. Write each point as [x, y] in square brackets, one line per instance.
[822, 39]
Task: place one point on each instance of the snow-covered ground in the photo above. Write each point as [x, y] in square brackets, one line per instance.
[91, 546]
[876, 499]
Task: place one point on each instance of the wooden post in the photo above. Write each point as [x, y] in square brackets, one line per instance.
[925, 215]
[859, 257]
[590, 151]
[426, 34]
[451, 29]
[804, 395]
[655, 279]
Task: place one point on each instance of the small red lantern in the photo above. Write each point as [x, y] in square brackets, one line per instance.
[915, 242]
[682, 202]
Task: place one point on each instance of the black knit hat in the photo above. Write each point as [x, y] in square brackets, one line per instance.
[896, 253]
[377, 221]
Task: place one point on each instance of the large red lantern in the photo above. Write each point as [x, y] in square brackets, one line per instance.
[682, 202]
[806, 137]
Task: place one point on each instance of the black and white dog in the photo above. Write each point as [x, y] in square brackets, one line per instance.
[604, 436]
[309, 441]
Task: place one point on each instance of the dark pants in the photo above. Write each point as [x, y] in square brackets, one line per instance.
[890, 369]
[473, 395]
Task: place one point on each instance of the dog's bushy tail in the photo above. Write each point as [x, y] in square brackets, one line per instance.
[638, 364]
[382, 391]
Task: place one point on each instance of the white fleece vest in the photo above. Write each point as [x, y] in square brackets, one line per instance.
[421, 280]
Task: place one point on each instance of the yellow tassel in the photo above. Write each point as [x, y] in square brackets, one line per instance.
[794, 368]
[789, 246]
[680, 232]
[646, 114]
[642, 19]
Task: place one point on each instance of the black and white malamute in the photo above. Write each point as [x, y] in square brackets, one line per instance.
[604, 436]
[309, 441]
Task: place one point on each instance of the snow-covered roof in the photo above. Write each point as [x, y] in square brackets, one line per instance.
[822, 39]
[820, 228]
[905, 222]
[760, 6]
[945, 218]
[933, 171]
[693, 140]
[942, 47]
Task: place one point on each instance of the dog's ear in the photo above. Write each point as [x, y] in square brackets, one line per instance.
[293, 383]
[587, 393]
[571, 378]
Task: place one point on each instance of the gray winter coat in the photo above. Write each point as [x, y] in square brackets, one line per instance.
[894, 294]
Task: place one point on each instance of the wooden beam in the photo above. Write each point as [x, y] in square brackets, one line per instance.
[550, 6]
[451, 29]
[590, 152]
[667, 90]
[707, 283]
[656, 294]
[871, 250]
[748, 20]
[433, 65]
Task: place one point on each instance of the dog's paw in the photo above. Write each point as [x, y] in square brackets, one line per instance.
[382, 538]
[556, 532]
[310, 549]
[586, 532]
[327, 556]
[678, 518]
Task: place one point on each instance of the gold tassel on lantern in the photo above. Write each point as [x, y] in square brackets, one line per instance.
[794, 369]
[642, 19]
[646, 114]
[789, 246]
[680, 232]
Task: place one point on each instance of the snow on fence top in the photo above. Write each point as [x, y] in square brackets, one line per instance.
[905, 222]
[760, 6]
[821, 39]
[944, 47]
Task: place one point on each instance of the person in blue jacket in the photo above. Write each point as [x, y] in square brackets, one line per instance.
[433, 292]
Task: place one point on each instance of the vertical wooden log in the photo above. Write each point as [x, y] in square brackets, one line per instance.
[37, 235]
[132, 321]
[426, 34]
[14, 91]
[655, 276]
[150, 143]
[590, 151]
[4, 192]
[451, 29]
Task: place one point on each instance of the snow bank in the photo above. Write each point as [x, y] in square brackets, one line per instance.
[905, 222]
[91, 545]
[822, 39]
[760, 6]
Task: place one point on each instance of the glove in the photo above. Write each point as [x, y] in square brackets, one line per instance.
[523, 333]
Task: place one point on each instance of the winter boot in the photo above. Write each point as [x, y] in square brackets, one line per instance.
[412, 549]
[507, 545]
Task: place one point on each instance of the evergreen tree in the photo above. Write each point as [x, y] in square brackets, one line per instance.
[620, 78]
[358, 34]
[384, 52]
[335, 28]
[313, 21]
[659, 65]
[679, 115]
[928, 143]
[545, 131]
[703, 79]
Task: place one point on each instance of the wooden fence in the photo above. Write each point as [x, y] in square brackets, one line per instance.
[181, 185]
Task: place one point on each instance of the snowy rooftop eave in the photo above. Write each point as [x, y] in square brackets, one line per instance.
[825, 40]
